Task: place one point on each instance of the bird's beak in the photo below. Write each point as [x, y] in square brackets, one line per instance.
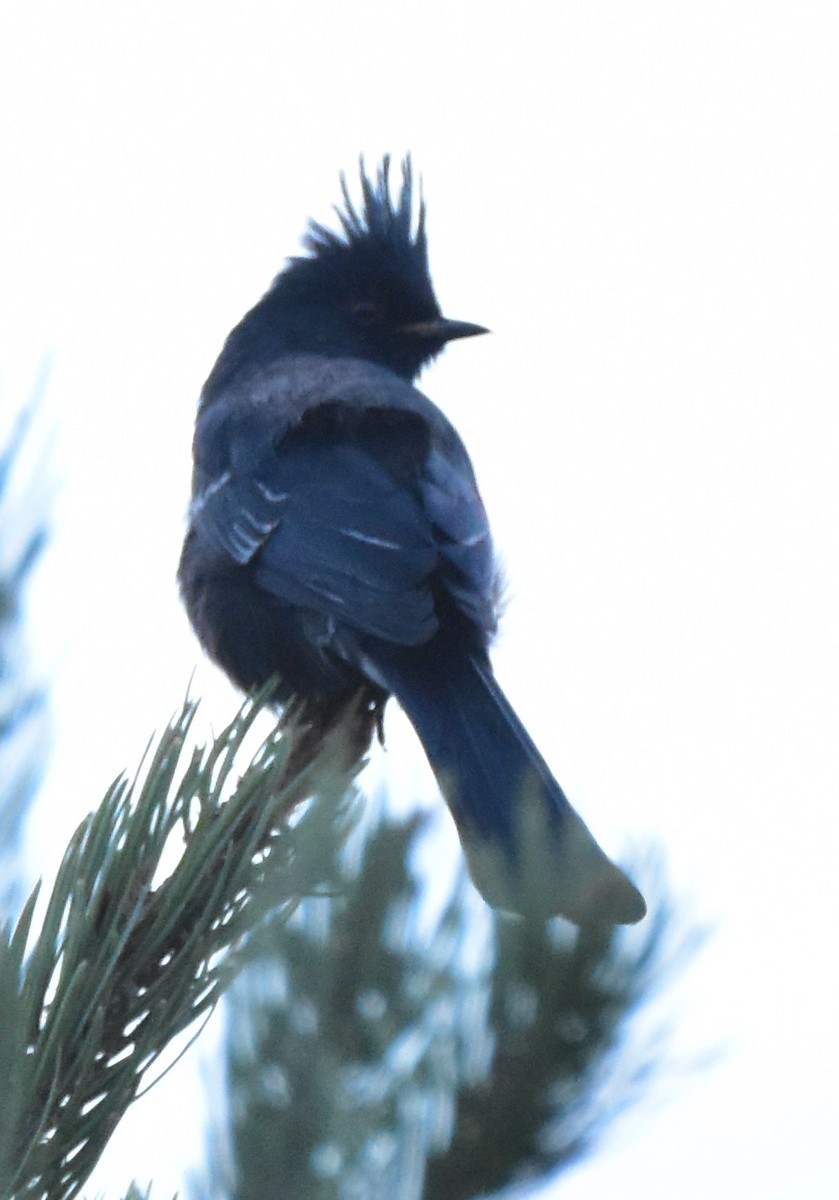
[441, 329]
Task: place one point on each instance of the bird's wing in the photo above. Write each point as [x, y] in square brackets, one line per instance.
[361, 522]
[461, 533]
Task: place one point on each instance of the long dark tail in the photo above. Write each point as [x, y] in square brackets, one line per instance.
[527, 849]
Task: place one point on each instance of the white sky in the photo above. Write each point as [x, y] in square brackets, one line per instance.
[641, 201]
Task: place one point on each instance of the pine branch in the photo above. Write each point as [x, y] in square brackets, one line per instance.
[368, 1057]
[128, 956]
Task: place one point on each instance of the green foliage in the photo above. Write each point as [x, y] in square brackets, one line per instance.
[375, 1054]
[129, 955]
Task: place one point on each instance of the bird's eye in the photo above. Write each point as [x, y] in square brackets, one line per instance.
[366, 312]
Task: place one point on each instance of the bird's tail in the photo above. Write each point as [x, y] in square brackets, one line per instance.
[528, 850]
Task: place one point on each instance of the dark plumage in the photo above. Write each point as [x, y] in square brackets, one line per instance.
[338, 543]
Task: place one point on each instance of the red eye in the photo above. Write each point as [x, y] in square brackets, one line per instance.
[366, 312]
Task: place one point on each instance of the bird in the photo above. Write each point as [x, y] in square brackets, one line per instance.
[339, 553]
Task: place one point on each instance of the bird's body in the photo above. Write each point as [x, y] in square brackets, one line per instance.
[338, 545]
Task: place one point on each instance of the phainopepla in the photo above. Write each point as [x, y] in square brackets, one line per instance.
[338, 543]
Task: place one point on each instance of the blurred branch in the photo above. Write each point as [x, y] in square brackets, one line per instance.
[369, 1057]
[22, 705]
[562, 1068]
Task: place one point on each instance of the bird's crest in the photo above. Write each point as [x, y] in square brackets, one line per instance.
[381, 216]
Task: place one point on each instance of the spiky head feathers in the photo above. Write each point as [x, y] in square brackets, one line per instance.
[363, 290]
[377, 254]
[380, 219]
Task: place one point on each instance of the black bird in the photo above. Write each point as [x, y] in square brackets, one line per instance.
[338, 543]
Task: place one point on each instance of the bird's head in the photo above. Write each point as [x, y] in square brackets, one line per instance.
[364, 289]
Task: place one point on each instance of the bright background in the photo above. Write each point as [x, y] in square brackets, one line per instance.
[641, 200]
